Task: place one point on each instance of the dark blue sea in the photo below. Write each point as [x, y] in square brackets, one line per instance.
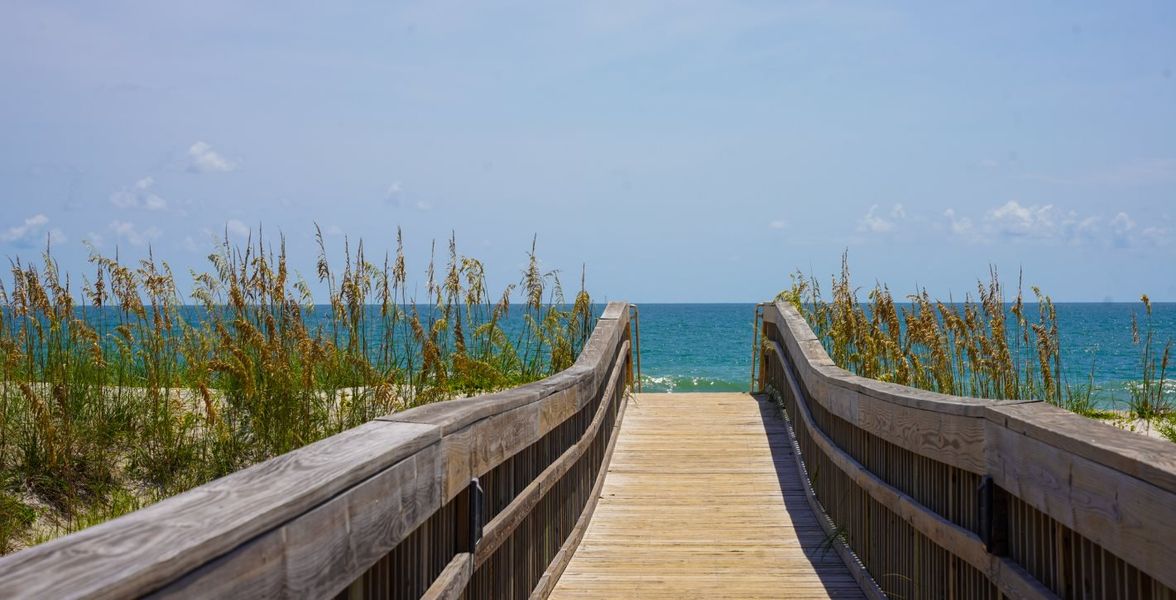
[708, 347]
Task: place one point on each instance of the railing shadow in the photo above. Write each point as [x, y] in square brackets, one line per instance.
[818, 547]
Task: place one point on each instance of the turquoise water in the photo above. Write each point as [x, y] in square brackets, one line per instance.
[696, 347]
[707, 347]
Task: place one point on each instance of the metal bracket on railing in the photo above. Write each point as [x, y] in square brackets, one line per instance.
[635, 338]
[993, 503]
[469, 518]
[476, 517]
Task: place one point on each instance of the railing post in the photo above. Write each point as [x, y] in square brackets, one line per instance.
[629, 363]
[757, 350]
[633, 329]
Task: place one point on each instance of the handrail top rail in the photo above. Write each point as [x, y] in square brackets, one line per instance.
[813, 350]
[1145, 458]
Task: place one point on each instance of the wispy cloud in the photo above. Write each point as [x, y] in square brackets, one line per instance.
[139, 195]
[31, 225]
[1125, 232]
[961, 226]
[203, 159]
[778, 224]
[393, 194]
[237, 228]
[134, 235]
[875, 221]
[33, 230]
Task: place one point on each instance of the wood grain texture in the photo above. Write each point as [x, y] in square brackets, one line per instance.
[480, 432]
[477, 449]
[859, 572]
[322, 551]
[701, 500]
[615, 310]
[560, 562]
[952, 438]
[452, 582]
[1131, 518]
[1145, 458]
[503, 525]
[455, 415]
[1113, 487]
[144, 550]
[556, 409]
[1142, 457]
[1013, 582]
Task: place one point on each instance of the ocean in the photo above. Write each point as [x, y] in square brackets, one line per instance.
[708, 347]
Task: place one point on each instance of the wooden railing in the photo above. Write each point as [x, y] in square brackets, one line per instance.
[946, 497]
[483, 497]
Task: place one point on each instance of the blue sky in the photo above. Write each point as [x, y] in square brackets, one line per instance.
[685, 151]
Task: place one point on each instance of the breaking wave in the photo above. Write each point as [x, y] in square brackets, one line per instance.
[689, 383]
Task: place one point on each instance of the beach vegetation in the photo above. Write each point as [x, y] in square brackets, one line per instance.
[985, 346]
[118, 390]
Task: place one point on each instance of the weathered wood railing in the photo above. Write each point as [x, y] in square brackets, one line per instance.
[947, 497]
[389, 509]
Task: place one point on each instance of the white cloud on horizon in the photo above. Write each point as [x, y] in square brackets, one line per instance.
[1013, 222]
[874, 222]
[126, 230]
[961, 226]
[30, 225]
[237, 228]
[203, 159]
[1125, 233]
[33, 229]
[393, 193]
[1013, 219]
[139, 195]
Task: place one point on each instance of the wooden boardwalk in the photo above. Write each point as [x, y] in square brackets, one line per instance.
[703, 500]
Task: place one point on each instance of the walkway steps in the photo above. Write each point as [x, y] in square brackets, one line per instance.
[703, 500]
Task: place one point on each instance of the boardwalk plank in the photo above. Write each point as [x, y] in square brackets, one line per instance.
[703, 500]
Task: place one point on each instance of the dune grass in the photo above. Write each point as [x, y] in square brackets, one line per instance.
[981, 347]
[118, 392]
